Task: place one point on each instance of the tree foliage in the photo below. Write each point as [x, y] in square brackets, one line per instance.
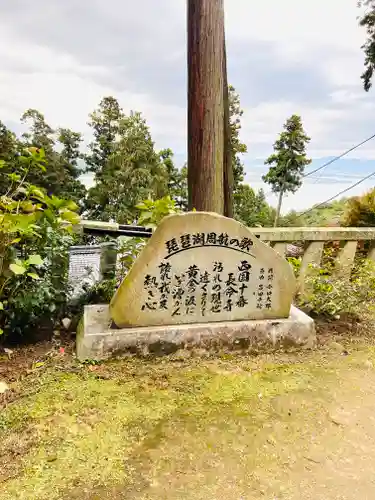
[367, 21]
[177, 179]
[251, 208]
[131, 171]
[8, 153]
[61, 178]
[361, 211]
[33, 237]
[123, 160]
[8, 143]
[237, 147]
[288, 162]
[105, 124]
[330, 293]
[292, 219]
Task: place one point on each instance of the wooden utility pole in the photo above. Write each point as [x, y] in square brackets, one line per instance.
[206, 105]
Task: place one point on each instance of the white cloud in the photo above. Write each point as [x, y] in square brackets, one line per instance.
[322, 37]
[343, 96]
[136, 52]
[310, 194]
[294, 25]
[66, 91]
[264, 122]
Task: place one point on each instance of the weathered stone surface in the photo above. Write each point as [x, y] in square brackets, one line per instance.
[97, 340]
[201, 267]
[315, 233]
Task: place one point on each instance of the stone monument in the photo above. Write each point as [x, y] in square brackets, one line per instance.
[203, 281]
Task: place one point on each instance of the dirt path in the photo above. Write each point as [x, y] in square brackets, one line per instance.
[339, 462]
[286, 427]
[320, 447]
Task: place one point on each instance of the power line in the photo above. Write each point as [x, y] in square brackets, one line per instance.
[338, 194]
[332, 160]
[339, 157]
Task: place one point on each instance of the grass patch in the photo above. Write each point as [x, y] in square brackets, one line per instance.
[116, 430]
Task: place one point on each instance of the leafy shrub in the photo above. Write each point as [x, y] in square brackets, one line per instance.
[128, 251]
[35, 234]
[361, 211]
[151, 214]
[329, 293]
[295, 262]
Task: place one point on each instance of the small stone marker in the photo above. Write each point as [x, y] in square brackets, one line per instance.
[201, 267]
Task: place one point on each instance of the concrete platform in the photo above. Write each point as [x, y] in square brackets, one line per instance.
[97, 340]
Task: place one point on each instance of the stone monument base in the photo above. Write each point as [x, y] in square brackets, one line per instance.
[98, 340]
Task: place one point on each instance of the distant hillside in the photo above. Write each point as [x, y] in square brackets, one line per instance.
[326, 215]
[329, 214]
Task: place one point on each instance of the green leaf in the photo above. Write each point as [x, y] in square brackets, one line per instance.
[17, 269]
[27, 206]
[145, 215]
[14, 177]
[2, 163]
[1, 331]
[50, 216]
[34, 276]
[71, 206]
[35, 260]
[42, 167]
[23, 159]
[69, 216]
[1, 306]
[56, 202]
[37, 192]
[141, 206]
[38, 364]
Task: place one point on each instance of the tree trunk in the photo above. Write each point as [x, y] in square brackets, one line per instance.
[205, 105]
[228, 160]
[278, 210]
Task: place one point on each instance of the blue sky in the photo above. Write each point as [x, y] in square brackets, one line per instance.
[284, 57]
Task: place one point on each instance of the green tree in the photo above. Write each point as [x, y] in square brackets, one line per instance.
[71, 142]
[292, 219]
[166, 156]
[105, 124]
[288, 162]
[252, 208]
[8, 153]
[367, 21]
[327, 214]
[34, 241]
[177, 179]
[361, 211]
[61, 178]
[133, 172]
[68, 159]
[237, 147]
[40, 134]
[182, 191]
[8, 143]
